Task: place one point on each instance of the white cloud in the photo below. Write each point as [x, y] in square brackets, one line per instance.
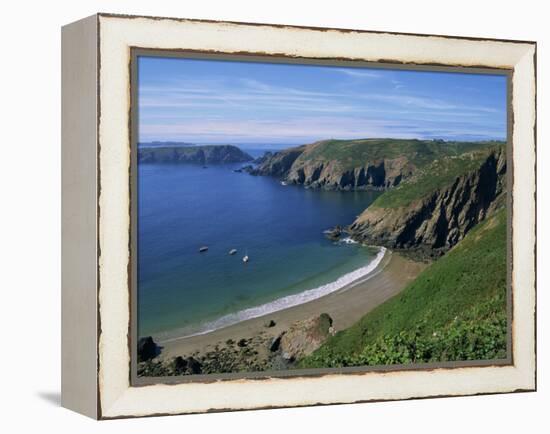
[210, 108]
[358, 73]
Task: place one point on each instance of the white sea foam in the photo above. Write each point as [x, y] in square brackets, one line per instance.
[347, 240]
[289, 300]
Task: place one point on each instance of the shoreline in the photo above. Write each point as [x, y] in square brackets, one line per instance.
[342, 283]
[345, 306]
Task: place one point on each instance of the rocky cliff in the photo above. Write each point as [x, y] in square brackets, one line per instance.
[330, 175]
[357, 164]
[278, 163]
[433, 210]
[207, 154]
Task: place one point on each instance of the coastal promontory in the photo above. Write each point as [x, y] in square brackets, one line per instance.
[199, 154]
[433, 210]
[358, 164]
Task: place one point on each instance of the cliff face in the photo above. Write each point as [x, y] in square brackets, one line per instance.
[357, 164]
[436, 221]
[278, 163]
[434, 191]
[302, 165]
[381, 174]
[207, 154]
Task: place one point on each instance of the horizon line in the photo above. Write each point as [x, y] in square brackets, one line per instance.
[260, 142]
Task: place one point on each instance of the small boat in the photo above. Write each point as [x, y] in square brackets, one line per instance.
[245, 258]
[232, 251]
[283, 183]
[203, 249]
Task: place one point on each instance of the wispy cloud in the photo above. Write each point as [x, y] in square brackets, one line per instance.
[307, 129]
[397, 84]
[210, 95]
[265, 104]
[358, 73]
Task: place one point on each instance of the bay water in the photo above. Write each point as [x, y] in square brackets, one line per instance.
[182, 207]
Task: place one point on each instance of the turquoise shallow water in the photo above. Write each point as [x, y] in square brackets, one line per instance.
[184, 207]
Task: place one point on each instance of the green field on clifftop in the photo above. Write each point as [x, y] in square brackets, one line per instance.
[356, 153]
[433, 176]
[454, 310]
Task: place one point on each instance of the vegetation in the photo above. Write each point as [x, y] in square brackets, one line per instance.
[435, 175]
[354, 153]
[192, 154]
[454, 310]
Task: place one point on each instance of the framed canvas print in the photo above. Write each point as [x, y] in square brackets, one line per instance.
[260, 216]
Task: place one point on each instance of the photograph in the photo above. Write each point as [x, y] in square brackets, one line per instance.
[296, 217]
[260, 217]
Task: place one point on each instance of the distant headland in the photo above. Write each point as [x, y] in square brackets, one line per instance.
[171, 152]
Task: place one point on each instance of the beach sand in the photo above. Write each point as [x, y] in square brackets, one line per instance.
[346, 306]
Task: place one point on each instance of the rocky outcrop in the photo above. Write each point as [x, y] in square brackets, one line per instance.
[377, 174]
[147, 349]
[260, 160]
[207, 154]
[437, 221]
[304, 337]
[278, 163]
[334, 233]
[308, 166]
[360, 164]
[188, 366]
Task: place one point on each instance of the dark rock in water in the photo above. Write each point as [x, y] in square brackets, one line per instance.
[270, 323]
[242, 343]
[147, 349]
[275, 344]
[193, 366]
[334, 233]
[248, 168]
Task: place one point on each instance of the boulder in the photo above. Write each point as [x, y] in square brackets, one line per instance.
[180, 365]
[147, 349]
[304, 337]
[193, 366]
[270, 323]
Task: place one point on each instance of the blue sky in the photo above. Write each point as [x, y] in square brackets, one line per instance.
[207, 101]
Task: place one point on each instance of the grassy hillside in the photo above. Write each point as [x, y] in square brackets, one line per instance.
[435, 175]
[454, 310]
[354, 153]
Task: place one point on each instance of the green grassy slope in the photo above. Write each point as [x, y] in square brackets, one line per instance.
[454, 310]
[439, 173]
[354, 153]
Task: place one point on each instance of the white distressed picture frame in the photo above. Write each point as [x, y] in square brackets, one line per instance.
[96, 215]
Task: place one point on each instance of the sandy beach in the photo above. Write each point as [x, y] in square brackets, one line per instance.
[345, 307]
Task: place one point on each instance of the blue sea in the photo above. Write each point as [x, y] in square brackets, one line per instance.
[182, 207]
